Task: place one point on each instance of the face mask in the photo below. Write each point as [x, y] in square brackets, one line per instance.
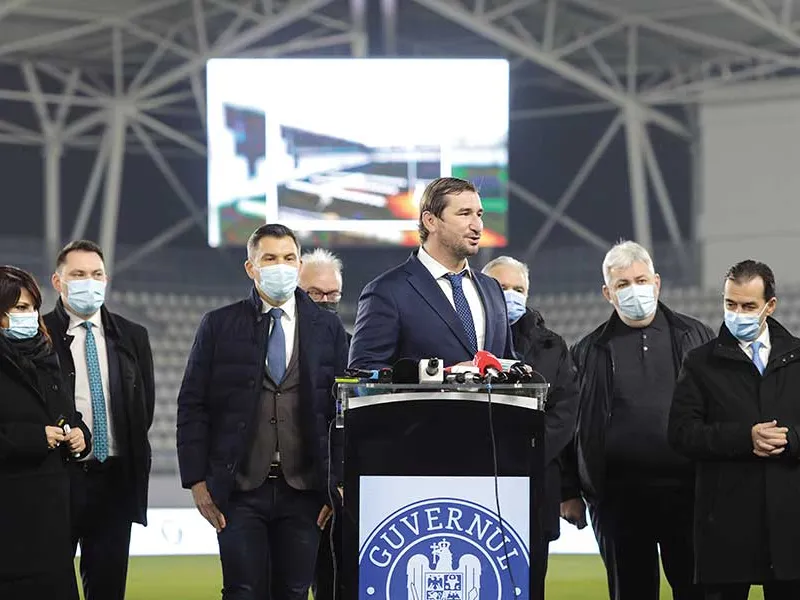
[515, 304]
[22, 326]
[278, 282]
[329, 306]
[743, 327]
[637, 302]
[86, 296]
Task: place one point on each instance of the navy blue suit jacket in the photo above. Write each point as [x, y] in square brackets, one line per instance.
[404, 314]
[220, 397]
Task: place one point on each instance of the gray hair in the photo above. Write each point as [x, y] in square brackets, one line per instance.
[320, 257]
[508, 261]
[623, 255]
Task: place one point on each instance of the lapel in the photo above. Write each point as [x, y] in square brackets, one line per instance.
[426, 286]
[485, 293]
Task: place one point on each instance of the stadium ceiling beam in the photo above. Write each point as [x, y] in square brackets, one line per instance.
[69, 33]
[689, 36]
[569, 223]
[574, 187]
[767, 21]
[465, 18]
[291, 13]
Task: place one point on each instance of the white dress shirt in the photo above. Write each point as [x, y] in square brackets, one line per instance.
[289, 323]
[83, 394]
[438, 271]
[763, 352]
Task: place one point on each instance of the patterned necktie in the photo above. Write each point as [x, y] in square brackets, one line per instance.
[462, 307]
[99, 418]
[755, 347]
[276, 347]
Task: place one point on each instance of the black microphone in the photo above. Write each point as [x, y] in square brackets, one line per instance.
[380, 375]
[405, 370]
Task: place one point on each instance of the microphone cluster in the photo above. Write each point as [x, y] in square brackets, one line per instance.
[484, 368]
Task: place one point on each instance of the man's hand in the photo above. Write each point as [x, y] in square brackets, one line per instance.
[769, 439]
[75, 440]
[206, 506]
[54, 435]
[573, 511]
[324, 516]
[326, 513]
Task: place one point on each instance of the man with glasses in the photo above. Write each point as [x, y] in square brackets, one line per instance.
[321, 279]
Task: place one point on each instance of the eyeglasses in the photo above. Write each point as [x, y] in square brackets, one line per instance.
[319, 295]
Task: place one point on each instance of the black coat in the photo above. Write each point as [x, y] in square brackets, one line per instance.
[747, 509]
[585, 461]
[36, 556]
[221, 391]
[547, 352]
[132, 385]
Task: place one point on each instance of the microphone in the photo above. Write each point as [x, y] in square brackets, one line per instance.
[430, 370]
[380, 375]
[488, 366]
[405, 370]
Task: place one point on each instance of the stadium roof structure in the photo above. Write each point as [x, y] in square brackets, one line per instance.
[126, 76]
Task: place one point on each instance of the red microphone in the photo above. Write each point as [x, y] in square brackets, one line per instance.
[488, 365]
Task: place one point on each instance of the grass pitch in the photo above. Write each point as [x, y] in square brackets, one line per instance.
[569, 577]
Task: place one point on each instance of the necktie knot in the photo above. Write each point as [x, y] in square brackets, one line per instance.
[756, 346]
[276, 313]
[456, 279]
[88, 325]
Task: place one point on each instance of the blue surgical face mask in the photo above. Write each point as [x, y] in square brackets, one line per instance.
[743, 326]
[515, 304]
[637, 302]
[86, 296]
[22, 326]
[278, 282]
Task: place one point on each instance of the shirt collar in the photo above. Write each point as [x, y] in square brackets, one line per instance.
[75, 321]
[289, 307]
[437, 269]
[763, 338]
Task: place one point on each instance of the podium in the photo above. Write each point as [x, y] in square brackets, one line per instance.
[427, 469]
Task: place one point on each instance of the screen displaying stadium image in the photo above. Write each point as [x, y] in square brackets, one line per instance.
[340, 150]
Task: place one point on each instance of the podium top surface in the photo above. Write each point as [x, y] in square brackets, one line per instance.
[523, 395]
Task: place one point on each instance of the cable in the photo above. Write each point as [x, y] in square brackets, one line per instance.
[497, 487]
[333, 508]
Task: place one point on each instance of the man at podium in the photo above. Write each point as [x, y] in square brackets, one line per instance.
[434, 305]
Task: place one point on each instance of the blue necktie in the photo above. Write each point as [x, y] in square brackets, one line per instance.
[99, 418]
[755, 347]
[276, 347]
[462, 307]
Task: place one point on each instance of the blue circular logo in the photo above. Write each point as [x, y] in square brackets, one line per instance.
[443, 549]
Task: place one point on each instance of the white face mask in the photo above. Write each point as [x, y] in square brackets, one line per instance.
[637, 302]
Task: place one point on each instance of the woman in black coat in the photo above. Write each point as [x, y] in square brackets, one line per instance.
[36, 559]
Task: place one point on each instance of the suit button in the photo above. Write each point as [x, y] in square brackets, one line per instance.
[251, 382]
[230, 466]
[55, 387]
[273, 420]
[241, 424]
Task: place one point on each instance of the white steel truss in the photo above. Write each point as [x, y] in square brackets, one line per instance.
[112, 80]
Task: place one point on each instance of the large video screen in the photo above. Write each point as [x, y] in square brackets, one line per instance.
[340, 150]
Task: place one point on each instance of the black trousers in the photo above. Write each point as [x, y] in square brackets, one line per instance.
[101, 525]
[325, 588]
[540, 550]
[774, 590]
[631, 523]
[268, 548]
